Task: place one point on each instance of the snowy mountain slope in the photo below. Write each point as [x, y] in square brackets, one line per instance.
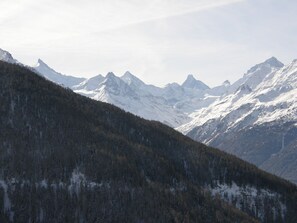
[90, 84]
[219, 90]
[235, 95]
[167, 105]
[131, 94]
[191, 95]
[170, 105]
[256, 74]
[50, 74]
[139, 86]
[270, 99]
[250, 123]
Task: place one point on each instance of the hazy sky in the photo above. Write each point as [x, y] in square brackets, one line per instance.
[160, 41]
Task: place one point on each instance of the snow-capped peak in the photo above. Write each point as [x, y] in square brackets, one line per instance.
[271, 62]
[255, 75]
[7, 57]
[192, 83]
[130, 79]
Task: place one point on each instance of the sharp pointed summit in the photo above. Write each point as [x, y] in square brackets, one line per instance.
[192, 83]
[68, 81]
[110, 75]
[131, 79]
[41, 63]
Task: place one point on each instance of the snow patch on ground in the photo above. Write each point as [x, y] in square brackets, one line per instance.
[78, 181]
[251, 196]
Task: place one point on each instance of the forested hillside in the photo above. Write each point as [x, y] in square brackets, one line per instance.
[67, 158]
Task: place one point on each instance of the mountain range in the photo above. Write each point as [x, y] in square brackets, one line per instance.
[67, 158]
[254, 118]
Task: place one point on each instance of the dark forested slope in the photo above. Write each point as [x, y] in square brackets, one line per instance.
[67, 158]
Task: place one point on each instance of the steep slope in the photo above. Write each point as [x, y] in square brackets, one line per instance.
[67, 158]
[50, 74]
[256, 124]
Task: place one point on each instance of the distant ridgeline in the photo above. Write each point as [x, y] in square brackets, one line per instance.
[67, 158]
[253, 118]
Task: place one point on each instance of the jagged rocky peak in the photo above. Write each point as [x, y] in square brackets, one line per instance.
[41, 63]
[271, 62]
[6, 56]
[45, 69]
[193, 83]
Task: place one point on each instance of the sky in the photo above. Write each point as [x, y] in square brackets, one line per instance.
[159, 41]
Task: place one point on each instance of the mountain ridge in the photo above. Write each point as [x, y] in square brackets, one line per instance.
[68, 81]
